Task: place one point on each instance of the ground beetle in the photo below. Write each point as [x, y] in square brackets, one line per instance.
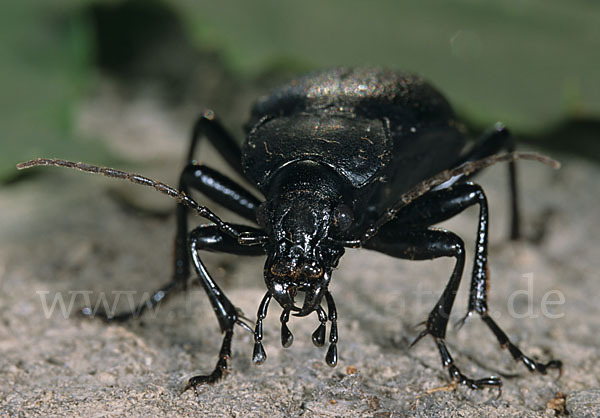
[344, 158]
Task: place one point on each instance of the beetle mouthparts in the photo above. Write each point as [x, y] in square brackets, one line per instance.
[312, 300]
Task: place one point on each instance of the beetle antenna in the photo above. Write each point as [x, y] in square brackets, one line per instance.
[465, 169]
[137, 179]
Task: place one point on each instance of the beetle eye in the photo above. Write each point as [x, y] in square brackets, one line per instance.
[261, 214]
[342, 217]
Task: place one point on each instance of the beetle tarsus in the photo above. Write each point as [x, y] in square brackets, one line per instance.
[516, 353]
[457, 376]
[220, 370]
[152, 303]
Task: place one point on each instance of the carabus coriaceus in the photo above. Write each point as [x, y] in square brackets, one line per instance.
[344, 158]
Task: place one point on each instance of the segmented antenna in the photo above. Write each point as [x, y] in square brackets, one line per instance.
[465, 169]
[137, 179]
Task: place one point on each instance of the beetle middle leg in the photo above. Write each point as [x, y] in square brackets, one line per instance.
[441, 205]
[444, 204]
[432, 208]
[426, 244]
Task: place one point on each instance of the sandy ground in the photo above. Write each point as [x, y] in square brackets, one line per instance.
[68, 236]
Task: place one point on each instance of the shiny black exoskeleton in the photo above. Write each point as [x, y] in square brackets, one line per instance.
[344, 158]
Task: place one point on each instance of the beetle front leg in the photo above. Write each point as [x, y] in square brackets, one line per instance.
[212, 184]
[210, 238]
[424, 245]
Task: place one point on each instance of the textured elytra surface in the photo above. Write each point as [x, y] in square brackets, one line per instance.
[368, 91]
[68, 233]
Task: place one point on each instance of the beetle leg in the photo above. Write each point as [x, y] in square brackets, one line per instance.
[440, 205]
[516, 353]
[209, 237]
[214, 185]
[492, 141]
[208, 126]
[444, 204]
[211, 183]
[234, 197]
[157, 297]
[220, 189]
[224, 243]
[426, 244]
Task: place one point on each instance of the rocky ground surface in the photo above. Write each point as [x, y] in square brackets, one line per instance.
[67, 236]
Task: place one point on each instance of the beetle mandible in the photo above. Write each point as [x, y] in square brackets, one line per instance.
[344, 158]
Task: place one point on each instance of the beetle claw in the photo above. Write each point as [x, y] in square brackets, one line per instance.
[421, 335]
[459, 324]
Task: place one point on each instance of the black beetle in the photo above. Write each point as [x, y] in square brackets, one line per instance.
[344, 158]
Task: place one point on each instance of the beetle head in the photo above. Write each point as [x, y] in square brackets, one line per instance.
[299, 215]
[301, 258]
[299, 265]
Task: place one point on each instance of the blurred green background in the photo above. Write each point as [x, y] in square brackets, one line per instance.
[533, 64]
